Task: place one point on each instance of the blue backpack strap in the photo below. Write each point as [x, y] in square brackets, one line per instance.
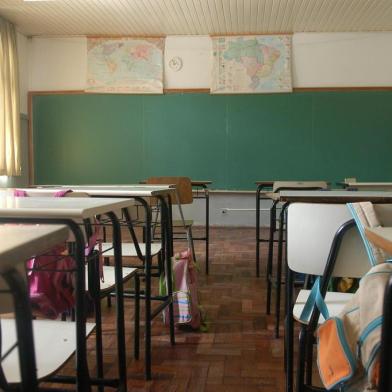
[315, 299]
[361, 230]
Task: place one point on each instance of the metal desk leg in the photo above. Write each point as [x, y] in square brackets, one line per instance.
[24, 330]
[119, 290]
[270, 254]
[147, 271]
[136, 341]
[289, 331]
[279, 269]
[167, 230]
[207, 228]
[258, 230]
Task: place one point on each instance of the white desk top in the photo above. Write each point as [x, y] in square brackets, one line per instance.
[58, 207]
[117, 190]
[19, 242]
[369, 185]
[337, 196]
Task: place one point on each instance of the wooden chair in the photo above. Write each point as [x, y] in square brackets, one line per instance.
[183, 196]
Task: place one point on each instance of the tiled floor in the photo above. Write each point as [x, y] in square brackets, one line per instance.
[238, 352]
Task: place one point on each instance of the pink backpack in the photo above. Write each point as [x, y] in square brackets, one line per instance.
[51, 285]
[185, 296]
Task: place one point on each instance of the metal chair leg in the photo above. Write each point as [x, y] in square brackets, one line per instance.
[270, 256]
[279, 269]
[136, 346]
[301, 360]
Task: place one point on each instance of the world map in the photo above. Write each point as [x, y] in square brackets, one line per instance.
[125, 65]
[251, 64]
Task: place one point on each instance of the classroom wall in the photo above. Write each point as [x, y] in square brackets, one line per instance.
[319, 60]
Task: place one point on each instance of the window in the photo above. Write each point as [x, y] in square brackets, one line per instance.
[9, 102]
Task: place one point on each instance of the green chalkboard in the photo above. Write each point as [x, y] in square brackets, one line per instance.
[232, 140]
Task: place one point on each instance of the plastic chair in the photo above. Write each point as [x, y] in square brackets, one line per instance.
[274, 218]
[322, 240]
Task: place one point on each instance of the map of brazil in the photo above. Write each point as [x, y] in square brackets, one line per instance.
[125, 65]
[251, 64]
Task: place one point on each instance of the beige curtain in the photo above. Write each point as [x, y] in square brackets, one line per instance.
[9, 102]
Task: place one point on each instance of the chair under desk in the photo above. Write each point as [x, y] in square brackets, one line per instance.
[18, 243]
[273, 195]
[201, 191]
[325, 197]
[70, 212]
[139, 193]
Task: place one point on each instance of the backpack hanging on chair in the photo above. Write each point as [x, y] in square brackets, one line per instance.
[348, 345]
[185, 286]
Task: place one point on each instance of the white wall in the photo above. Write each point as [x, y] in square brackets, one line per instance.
[319, 60]
[342, 59]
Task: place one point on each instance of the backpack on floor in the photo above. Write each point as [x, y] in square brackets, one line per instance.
[185, 296]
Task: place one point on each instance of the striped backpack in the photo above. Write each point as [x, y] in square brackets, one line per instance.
[348, 345]
[185, 296]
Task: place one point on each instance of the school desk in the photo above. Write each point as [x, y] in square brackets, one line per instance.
[139, 193]
[70, 211]
[18, 243]
[369, 186]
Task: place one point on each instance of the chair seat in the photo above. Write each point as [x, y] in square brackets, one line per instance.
[54, 341]
[109, 277]
[334, 301]
[129, 249]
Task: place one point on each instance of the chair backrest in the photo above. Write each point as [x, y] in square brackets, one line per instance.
[183, 186]
[310, 231]
[308, 185]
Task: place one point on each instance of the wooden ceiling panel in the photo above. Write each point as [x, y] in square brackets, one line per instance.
[195, 17]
